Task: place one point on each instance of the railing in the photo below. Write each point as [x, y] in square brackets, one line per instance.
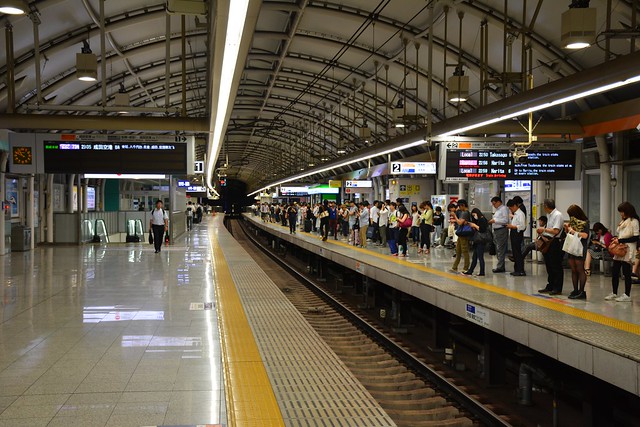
[87, 231]
[101, 231]
[115, 226]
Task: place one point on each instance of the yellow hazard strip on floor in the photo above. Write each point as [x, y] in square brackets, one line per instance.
[249, 395]
[539, 301]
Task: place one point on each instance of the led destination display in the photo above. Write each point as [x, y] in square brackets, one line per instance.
[492, 164]
[115, 157]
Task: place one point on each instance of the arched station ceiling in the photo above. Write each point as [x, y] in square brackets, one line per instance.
[316, 71]
[135, 27]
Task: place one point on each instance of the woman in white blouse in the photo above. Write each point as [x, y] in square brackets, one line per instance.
[627, 233]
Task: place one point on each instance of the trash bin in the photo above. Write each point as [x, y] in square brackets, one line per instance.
[20, 239]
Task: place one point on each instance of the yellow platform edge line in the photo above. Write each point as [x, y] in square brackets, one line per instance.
[551, 305]
[250, 399]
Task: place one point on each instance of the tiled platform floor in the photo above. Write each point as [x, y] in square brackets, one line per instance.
[96, 336]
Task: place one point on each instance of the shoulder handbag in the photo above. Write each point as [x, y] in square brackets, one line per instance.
[370, 232]
[464, 231]
[484, 237]
[573, 245]
[543, 244]
[618, 249]
[406, 223]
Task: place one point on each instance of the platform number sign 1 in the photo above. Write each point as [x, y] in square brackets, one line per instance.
[198, 167]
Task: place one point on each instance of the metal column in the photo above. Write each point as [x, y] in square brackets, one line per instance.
[70, 179]
[85, 196]
[11, 81]
[31, 214]
[49, 208]
[4, 157]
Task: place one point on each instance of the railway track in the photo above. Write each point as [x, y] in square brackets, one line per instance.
[408, 390]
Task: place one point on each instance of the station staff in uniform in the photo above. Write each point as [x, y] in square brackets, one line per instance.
[553, 258]
[500, 232]
[516, 233]
[159, 225]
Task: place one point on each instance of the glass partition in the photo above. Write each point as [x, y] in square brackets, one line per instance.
[87, 231]
[101, 231]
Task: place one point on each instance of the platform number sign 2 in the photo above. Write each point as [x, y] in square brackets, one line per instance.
[198, 167]
[396, 167]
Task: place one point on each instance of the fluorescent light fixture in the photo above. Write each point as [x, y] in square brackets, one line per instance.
[13, 7]
[577, 45]
[235, 27]
[341, 151]
[578, 27]
[339, 165]
[399, 125]
[539, 107]
[458, 87]
[590, 92]
[123, 176]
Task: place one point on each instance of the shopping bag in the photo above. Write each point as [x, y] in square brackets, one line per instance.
[573, 245]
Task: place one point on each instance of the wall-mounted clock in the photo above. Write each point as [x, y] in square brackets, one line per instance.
[22, 155]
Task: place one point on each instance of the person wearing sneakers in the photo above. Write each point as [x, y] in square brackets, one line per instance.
[628, 231]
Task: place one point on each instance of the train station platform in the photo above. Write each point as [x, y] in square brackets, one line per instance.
[196, 335]
[598, 337]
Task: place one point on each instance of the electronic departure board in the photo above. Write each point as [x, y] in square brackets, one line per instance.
[115, 157]
[479, 164]
[482, 163]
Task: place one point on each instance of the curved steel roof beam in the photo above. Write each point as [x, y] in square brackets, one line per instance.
[325, 92]
[398, 90]
[294, 21]
[475, 7]
[295, 114]
[69, 75]
[131, 89]
[76, 35]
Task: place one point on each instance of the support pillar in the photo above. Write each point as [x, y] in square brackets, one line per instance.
[49, 208]
[31, 214]
[4, 156]
[10, 76]
[494, 360]
[79, 210]
[70, 179]
[440, 328]
[85, 196]
[605, 181]
[461, 190]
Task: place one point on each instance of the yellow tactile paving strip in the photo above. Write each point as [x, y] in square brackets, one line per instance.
[249, 395]
[551, 305]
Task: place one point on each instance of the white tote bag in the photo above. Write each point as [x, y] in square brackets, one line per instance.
[573, 245]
